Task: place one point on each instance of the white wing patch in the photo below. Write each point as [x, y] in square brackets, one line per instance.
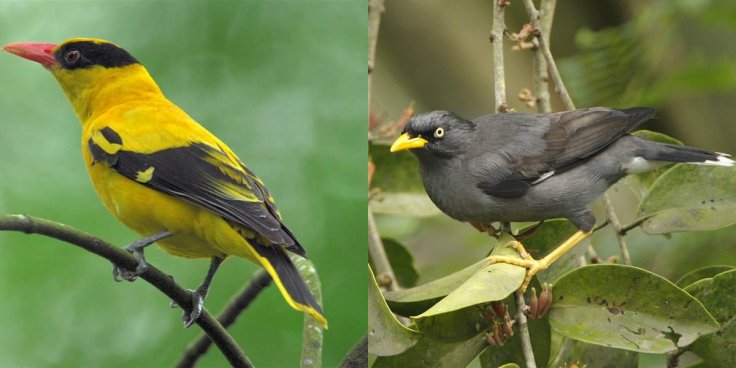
[544, 177]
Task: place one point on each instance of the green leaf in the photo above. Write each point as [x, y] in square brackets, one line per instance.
[458, 325]
[627, 308]
[547, 236]
[490, 283]
[718, 294]
[431, 353]
[569, 351]
[701, 273]
[414, 301]
[395, 172]
[690, 197]
[509, 365]
[386, 336]
[403, 203]
[402, 262]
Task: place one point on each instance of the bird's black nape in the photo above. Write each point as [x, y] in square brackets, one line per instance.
[84, 54]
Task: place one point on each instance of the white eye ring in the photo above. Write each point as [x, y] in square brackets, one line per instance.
[439, 133]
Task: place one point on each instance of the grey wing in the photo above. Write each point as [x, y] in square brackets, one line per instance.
[533, 147]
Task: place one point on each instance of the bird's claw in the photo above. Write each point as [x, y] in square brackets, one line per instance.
[119, 274]
[197, 305]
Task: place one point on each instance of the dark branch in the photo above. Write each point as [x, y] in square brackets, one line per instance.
[358, 355]
[227, 317]
[160, 280]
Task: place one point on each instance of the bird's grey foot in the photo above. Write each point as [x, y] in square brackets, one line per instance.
[200, 293]
[136, 249]
[197, 304]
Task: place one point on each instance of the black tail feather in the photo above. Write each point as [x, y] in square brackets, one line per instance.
[676, 153]
[288, 276]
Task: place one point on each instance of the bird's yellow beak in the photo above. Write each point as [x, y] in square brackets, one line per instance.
[405, 142]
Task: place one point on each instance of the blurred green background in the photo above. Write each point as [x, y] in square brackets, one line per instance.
[282, 82]
[675, 55]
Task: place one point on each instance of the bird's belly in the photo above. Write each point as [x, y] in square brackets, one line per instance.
[547, 200]
[197, 232]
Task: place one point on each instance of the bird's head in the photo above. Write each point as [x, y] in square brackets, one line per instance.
[439, 133]
[83, 66]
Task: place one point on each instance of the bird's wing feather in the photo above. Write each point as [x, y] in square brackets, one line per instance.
[552, 144]
[202, 174]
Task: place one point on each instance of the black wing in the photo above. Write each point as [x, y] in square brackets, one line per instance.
[546, 145]
[203, 175]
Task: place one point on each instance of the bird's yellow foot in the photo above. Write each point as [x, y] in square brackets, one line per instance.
[532, 265]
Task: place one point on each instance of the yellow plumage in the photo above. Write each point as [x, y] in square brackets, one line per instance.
[132, 141]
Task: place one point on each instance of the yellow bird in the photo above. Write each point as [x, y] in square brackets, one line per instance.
[164, 175]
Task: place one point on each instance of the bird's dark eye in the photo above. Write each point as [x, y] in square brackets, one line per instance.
[72, 56]
[439, 133]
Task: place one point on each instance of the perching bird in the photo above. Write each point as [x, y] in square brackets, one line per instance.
[164, 175]
[514, 167]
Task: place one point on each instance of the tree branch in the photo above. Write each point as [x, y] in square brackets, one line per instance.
[378, 256]
[160, 280]
[498, 30]
[526, 342]
[358, 355]
[227, 317]
[544, 47]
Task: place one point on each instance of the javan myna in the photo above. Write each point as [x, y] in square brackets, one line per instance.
[531, 167]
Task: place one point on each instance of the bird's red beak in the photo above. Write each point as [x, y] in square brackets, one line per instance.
[41, 53]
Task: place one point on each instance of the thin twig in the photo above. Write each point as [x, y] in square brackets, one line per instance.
[312, 332]
[160, 280]
[673, 359]
[526, 342]
[498, 30]
[616, 225]
[540, 72]
[543, 45]
[378, 256]
[227, 317]
[625, 229]
[375, 9]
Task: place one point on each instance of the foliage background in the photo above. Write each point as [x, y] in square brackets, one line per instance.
[282, 82]
[668, 54]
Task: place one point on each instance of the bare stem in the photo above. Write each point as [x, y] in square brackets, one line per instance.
[627, 228]
[312, 334]
[544, 47]
[498, 29]
[540, 72]
[227, 317]
[616, 225]
[378, 255]
[375, 9]
[121, 258]
[526, 342]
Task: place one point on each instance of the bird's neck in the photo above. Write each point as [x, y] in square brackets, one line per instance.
[95, 91]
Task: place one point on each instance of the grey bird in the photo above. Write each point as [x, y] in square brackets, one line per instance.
[515, 167]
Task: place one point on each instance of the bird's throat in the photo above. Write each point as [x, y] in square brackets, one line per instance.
[93, 91]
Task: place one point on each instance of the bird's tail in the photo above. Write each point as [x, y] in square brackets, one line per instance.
[697, 156]
[277, 263]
